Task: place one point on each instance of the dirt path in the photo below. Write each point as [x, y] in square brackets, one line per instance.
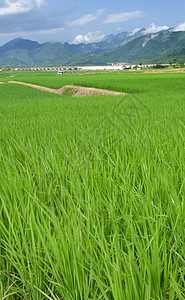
[38, 87]
[71, 90]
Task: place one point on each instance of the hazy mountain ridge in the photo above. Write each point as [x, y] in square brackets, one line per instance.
[163, 46]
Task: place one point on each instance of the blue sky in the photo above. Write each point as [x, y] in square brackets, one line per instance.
[85, 21]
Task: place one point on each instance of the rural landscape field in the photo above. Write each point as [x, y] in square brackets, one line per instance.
[92, 188]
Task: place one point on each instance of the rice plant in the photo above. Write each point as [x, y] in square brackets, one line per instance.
[92, 190]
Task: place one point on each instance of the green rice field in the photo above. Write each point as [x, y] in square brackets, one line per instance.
[92, 189]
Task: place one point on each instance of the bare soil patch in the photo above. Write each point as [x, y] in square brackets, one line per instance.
[79, 91]
[71, 90]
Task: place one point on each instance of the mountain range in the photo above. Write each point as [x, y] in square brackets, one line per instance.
[138, 47]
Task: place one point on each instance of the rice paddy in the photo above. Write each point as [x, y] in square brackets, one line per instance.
[92, 189]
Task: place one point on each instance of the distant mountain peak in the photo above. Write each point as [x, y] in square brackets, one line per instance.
[20, 42]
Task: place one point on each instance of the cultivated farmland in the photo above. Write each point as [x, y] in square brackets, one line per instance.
[92, 189]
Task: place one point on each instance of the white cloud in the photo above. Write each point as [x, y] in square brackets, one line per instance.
[154, 28]
[39, 2]
[85, 19]
[18, 6]
[26, 34]
[180, 27]
[88, 38]
[122, 17]
[134, 31]
[48, 31]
